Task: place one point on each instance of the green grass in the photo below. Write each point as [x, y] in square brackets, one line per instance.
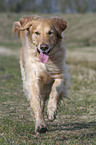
[76, 120]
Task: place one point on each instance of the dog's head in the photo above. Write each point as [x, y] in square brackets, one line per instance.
[43, 33]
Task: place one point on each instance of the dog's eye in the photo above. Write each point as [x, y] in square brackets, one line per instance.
[50, 32]
[37, 33]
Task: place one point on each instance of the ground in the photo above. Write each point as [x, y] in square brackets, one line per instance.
[76, 119]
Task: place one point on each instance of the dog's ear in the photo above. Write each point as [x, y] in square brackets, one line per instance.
[60, 25]
[22, 21]
[24, 24]
[16, 27]
[27, 19]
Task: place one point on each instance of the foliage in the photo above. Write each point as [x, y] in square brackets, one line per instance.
[49, 6]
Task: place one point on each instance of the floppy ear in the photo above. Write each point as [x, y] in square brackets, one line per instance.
[24, 24]
[16, 27]
[60, 25]
[19, 24]
[27, 19]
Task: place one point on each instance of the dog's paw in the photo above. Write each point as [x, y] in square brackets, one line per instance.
[41, 129]
[51, 112]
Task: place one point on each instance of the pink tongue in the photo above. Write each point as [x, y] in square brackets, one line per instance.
[43, 57]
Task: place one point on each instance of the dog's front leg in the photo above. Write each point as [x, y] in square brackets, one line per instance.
[56, 93]
[35, 105]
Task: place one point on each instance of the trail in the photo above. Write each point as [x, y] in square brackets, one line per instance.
[8, 52]
[88, 54]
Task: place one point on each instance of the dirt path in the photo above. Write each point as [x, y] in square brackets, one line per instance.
[8, 52]
[88, 54]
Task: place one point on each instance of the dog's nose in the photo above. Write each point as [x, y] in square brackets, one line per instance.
[44, 47]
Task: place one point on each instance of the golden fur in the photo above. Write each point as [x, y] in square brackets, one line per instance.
[42, 81]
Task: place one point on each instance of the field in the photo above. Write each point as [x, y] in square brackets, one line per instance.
[76, 120]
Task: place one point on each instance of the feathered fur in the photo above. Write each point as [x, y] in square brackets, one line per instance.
[43, 81]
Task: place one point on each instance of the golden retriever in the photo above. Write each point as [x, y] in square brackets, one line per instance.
[42, 62]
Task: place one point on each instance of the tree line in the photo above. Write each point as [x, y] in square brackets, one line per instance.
[48, 6]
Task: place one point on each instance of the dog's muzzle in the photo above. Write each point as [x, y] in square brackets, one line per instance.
[44, 48]
[43, 53]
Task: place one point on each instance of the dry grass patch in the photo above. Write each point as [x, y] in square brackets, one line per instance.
[76, 119]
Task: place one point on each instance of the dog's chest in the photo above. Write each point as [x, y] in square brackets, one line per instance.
[35, 69]
[45, 72]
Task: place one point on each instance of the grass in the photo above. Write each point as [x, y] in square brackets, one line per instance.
[76, 120]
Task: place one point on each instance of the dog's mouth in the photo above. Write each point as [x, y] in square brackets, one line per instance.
[43, 55]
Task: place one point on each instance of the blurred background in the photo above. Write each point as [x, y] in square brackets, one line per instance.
[78, 114]
[79, 14]
[48, 6]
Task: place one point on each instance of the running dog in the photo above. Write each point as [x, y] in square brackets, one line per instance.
[43, 68]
